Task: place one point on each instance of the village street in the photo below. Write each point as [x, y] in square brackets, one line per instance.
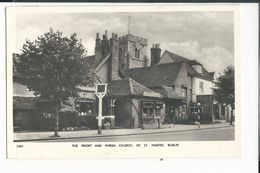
[177, 132]
[218, 134]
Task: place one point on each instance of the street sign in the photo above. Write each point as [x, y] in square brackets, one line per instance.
[101, 90]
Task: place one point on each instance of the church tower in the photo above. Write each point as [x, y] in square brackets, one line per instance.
[133, 52]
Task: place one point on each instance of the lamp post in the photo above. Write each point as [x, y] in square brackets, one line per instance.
[212, 110]
[198, 104]
[231, 98]
[224, 104]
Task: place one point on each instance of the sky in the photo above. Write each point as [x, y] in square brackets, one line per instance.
[205, 36]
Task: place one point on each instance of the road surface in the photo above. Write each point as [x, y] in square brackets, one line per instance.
[218, 134]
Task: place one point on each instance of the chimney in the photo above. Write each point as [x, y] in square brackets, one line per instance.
[155, 54]
[98, 49]
[105, 45]
[114, 58]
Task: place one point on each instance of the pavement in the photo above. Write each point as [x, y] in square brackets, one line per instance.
[42, 136]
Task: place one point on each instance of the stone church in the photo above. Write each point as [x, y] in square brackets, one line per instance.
[145, 90]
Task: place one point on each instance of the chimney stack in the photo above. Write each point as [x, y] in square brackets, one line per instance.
[155, 54]
[114, 59]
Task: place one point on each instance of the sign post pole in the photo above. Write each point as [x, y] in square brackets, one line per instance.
[100, 114]
[101, 90]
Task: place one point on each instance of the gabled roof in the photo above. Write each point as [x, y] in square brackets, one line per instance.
[205, 74]
[175, 57]
[127, 87]
[191, 71]
[162, 74]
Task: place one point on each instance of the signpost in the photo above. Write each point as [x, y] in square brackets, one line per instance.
[101, 90]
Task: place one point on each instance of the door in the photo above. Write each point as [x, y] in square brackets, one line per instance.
[172, 113]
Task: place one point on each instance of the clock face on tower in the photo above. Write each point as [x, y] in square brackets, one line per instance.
[137, 45]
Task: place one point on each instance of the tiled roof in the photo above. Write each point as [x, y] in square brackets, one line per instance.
[127, 87]
[205, 74]
[162, 74]
[191, 71]
[175, 57]
[167, 92]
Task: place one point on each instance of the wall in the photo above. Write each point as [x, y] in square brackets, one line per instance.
[207, 107]
[136, 112]
[25, 119]
[196, 90]
[123, 113]
[123, 45]
[183, 79]
[137, 62]
[114, 59]
[127, 44]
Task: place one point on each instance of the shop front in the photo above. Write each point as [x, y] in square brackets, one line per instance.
[151, 113]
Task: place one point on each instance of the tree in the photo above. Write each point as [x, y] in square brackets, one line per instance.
[52, 67]
[224, 90]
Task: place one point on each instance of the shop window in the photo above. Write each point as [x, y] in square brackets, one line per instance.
[183, 109]
[195, 110]
[148, 109]
[148, 112]
[85, 107]
[152, 109]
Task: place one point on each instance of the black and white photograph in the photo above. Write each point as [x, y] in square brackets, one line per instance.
[117, 77]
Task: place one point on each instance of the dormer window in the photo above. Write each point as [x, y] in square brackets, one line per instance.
[197, 68]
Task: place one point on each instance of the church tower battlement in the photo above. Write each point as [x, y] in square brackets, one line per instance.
[133, 51]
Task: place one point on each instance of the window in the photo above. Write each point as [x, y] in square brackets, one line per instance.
[184, 92]
[201, 87]
[194, 109]
[148, 108]
[137, 53]
[173, 87]
[183, 109]
[85, 107]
